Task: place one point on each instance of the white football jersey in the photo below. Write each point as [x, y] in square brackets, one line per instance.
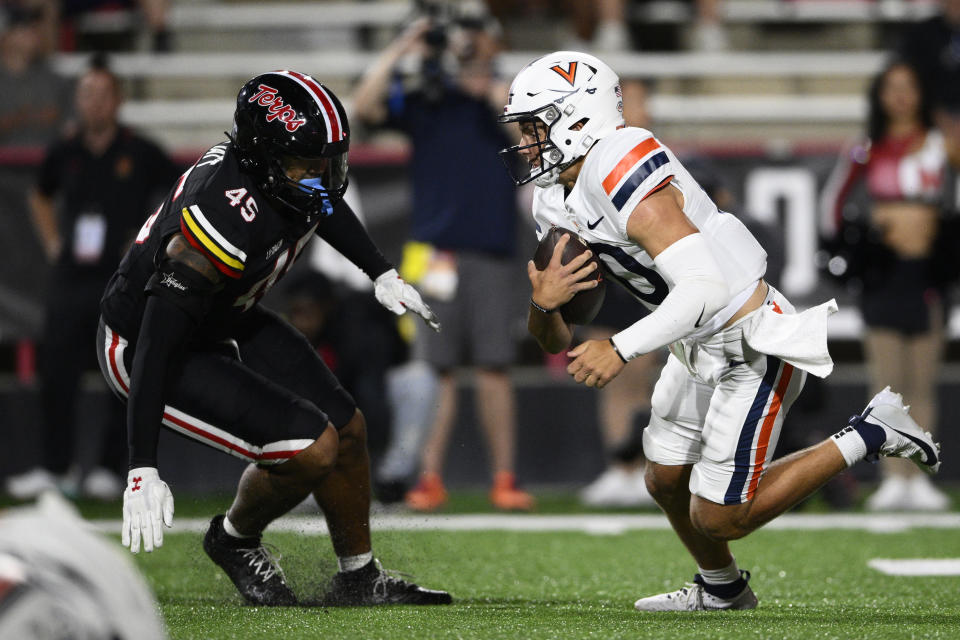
[619, 172]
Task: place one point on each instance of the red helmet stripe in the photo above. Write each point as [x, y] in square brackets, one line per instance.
[320, 95]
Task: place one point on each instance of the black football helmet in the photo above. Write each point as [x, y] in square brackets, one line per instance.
[285, 114]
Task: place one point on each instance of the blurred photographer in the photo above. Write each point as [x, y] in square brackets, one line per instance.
[463, 222]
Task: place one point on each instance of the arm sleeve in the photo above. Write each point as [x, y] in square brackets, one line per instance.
[699, 291]
[163, 331]
[343, 232]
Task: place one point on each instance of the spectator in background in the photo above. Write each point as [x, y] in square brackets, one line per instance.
[33, 107]
[153, 14]
[464, 209]
[94, 190]
[601, 26]
[902, 163]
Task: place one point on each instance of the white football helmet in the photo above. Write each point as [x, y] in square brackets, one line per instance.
[561, 90]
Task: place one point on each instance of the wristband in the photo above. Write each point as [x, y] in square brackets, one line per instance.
[617, 351]
[539, 308]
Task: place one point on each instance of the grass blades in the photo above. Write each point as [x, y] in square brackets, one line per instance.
[811, 584]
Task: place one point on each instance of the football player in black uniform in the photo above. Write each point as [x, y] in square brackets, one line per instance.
[184, 342]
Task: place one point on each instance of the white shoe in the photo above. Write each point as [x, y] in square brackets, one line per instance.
[892, 495]
[617, 487]
[101, 484]
[30, 484]
[693, 597]
[902, 437]
[924, 496]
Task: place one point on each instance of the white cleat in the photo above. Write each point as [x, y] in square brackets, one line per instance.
[693, 597]
[924, 496]
[618, 487]
[102, 484]
[32, 483]
[892, 495]
[903, 437]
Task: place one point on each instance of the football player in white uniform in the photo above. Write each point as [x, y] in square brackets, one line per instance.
[739, 354]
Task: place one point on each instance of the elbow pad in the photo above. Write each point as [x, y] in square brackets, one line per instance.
[184, 287]
[698, 292]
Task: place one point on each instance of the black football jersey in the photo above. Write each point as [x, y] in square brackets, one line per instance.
[220, 211]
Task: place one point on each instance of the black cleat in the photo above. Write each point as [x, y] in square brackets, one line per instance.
[372, 585]
[253, 568]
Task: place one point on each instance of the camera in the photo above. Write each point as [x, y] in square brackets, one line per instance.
[448, 44]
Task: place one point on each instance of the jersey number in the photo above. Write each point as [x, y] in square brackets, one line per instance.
[660, 288]
[145, 229]
[249, 209]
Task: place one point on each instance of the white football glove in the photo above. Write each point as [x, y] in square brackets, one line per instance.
[147, 506]
[398, 296]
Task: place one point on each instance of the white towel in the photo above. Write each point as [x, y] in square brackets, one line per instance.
[797, 338]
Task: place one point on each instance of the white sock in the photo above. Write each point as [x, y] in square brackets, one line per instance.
[851, 444]
[720, 576]
[232, 530]
[352, 563]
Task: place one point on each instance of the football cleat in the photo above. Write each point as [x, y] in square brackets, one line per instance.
[372, 585]
[901, 437]
[252, 567]
[694, 597]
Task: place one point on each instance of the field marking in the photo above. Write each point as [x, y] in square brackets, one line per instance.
[598, 524]
[916, 566]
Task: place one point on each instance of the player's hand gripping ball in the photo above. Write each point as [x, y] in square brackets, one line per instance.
[584, 306]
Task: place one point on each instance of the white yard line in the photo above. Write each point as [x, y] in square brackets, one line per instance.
[917, 566]
[599, 524]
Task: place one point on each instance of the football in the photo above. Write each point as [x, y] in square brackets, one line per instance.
[583, 307]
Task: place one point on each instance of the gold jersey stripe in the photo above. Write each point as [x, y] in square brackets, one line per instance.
[211, 246]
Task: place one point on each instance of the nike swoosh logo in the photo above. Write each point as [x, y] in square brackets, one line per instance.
[595, 223]
[931, 455]
[696, 325]
[734, 363]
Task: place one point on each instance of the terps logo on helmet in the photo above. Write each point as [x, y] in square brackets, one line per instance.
[277, 109]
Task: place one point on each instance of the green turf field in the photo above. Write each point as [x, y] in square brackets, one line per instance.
[568, 584]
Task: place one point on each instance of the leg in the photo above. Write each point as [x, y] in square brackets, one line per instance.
[64, 353]
[412, 388]
[488, 324]
[266, 493]
[429, 493]
[668, 484]
[788, 481]
[923, 355]
[435, 449]
[495, 404]
[344, 493]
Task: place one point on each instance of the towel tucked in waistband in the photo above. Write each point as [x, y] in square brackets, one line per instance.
[797, 338]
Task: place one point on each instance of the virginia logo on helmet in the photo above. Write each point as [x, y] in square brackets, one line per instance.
[569, 74]
[563, 102]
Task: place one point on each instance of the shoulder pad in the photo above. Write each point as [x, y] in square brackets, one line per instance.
[629, 166]
[201, 231]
